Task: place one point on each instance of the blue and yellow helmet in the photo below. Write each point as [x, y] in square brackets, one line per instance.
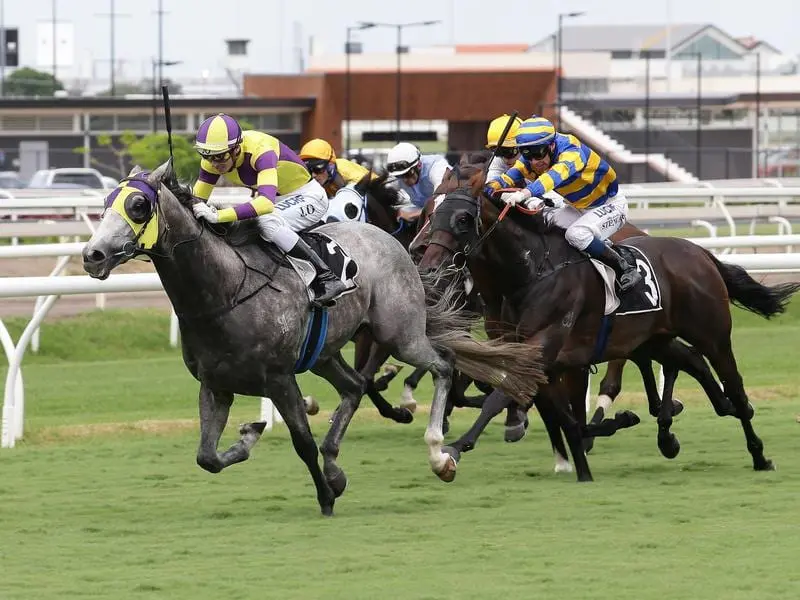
[535, 131]
[218, 134]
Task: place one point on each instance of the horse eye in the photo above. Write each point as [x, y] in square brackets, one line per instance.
[138, 208]
[463, 219]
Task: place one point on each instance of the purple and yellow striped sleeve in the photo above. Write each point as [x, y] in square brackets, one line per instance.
[266, 165]
[205, 183]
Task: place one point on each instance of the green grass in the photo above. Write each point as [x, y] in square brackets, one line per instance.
[103, 499]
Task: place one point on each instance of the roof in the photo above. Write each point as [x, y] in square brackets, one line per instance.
[92, 102]
[593, 38]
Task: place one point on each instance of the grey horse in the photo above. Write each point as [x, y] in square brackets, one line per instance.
[243, 314]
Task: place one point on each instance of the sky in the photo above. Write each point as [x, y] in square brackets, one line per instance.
[195, 30]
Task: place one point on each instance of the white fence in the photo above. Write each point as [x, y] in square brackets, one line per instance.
[52, 287]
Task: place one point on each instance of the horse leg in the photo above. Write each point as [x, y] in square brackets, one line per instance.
[289, 401]
[689, 360]
[610, 387]
[668, 444]
[215, 406]
[350, 386]
[367, 370]
[410, 384]
[420, 352]
[494, 404]
[720, 355]
[549, 416]
[562, 393]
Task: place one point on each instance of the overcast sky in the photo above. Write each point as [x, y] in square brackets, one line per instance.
[194, 30]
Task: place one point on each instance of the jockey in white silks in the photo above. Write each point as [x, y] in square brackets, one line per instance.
[416, 175]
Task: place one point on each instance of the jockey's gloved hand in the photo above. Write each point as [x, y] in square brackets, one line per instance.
[514, 198]
[535, 204]
[202, 210]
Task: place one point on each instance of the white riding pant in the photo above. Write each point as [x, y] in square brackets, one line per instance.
[294, 212]
[582, 226]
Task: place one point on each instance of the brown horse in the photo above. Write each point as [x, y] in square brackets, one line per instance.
[551, 294]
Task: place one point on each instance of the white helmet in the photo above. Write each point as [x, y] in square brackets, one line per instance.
[402, 158]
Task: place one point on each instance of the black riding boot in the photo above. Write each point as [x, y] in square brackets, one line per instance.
[627, 274]
[330, 285]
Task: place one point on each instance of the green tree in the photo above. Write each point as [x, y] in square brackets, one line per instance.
[148, 152]
[30, 82]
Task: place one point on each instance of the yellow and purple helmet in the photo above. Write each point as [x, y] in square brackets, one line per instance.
[535, 131]
[217, 135]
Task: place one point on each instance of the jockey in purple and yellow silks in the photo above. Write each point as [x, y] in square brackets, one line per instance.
[287, 198]
[594, 208]
[332, 173]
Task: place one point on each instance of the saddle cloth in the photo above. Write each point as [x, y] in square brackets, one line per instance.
[645, 297]
[338, 260]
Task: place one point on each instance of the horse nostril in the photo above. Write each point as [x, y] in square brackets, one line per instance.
[93, 256]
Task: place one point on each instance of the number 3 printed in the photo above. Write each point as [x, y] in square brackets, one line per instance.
[652, 291]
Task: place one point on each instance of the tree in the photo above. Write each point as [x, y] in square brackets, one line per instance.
[30, 82]
[148, 152]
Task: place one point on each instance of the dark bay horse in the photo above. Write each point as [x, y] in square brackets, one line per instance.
[243, 315]
[554, 298]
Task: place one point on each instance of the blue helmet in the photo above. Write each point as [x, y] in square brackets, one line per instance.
[536, 131]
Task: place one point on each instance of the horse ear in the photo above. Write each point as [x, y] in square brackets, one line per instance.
[136, 169]
[363, 184]
[159, 173]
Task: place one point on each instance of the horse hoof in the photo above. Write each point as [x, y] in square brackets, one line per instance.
[407, 400]
[326, 510]
[677, 407]
[337, 482]
[312, 406]
[257, 428]
[767, 465]
[515, 433]
[448, 472]
[669, 447]
[627, 418]
[410, 406]
[588, 445]
[404, 415]
[562, 466]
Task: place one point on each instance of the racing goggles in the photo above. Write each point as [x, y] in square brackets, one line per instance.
[535, 152]
[506, 152]
[216, 157]
[400, 165]
[316, 167]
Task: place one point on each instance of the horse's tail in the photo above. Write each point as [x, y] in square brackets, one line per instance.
[747, 293]
[514, 368]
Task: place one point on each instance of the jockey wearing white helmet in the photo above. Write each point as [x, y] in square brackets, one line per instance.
[417, 175]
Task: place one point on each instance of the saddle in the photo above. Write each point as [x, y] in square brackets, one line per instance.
[339, 261]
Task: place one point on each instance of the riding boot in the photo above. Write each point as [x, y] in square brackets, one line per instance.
[627, 274]
[330, 286]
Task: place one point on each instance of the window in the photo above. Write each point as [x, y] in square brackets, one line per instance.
[142, 122]
[179, 123]
[101, 123]
[621, 54]
[57, 123]
[20, 123]
[708, 48]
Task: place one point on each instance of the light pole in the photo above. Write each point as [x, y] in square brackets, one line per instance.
[347, 49]
[399, 27]
[559, 84]
[159, 63]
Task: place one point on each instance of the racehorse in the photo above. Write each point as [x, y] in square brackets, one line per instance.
[244, 318]
[553, 296]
